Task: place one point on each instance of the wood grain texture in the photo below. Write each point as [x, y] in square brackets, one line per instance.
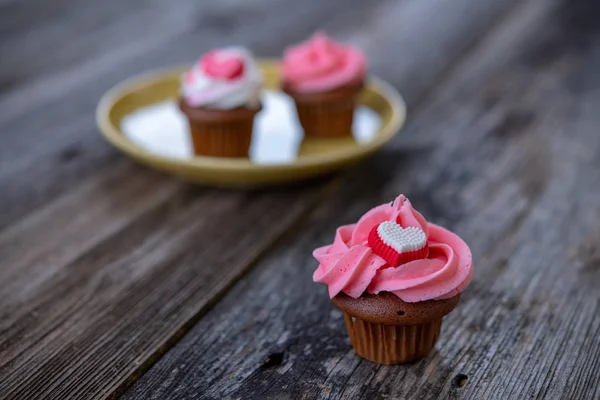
[91, 314]
[105, 265]
[506, 154]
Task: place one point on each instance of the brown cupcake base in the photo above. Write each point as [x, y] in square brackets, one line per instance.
[220, 133]
[327, 114]
[386, 330]
[392, 344]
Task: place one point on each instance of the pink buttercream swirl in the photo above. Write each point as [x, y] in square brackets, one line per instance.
[349, 265]
[321, 64]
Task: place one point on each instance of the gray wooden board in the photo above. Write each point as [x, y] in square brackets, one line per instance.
[105, 264]
[506, 153]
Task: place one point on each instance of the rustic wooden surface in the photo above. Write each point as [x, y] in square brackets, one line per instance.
[113, 275]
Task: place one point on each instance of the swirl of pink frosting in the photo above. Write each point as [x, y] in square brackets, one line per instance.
[320, 64]
[349, 265]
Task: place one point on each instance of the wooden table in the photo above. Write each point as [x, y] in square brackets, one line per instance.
[119, 281]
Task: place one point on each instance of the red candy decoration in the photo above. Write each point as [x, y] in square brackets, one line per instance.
[391, 255]
[221, 66]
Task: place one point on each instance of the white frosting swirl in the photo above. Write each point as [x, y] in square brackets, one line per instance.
[200, 89]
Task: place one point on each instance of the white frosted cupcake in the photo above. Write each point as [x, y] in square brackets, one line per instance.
[220, 95]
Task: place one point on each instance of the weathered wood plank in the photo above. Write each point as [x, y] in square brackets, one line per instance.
[105, 264]
[506, 154]
[81, 219]
[108, 297]
[112, 303]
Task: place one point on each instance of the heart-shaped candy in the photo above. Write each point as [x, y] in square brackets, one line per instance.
[397, 245]
[223, 65]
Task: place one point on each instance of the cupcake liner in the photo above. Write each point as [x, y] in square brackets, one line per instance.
[326, 118]
[222, 139]
[387, 330]
[326, 114]
[220, 133]
[392, 344]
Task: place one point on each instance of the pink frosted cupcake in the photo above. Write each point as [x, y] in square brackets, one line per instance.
[395, 276]
[324, 78]
[220, 95]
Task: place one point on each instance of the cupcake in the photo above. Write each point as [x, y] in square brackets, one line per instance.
[324, 78]
[395, 276]
[220, 96]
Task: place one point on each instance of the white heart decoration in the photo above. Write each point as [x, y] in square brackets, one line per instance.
[402, 240]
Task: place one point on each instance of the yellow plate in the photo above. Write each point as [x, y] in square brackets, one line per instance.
[316, 156]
